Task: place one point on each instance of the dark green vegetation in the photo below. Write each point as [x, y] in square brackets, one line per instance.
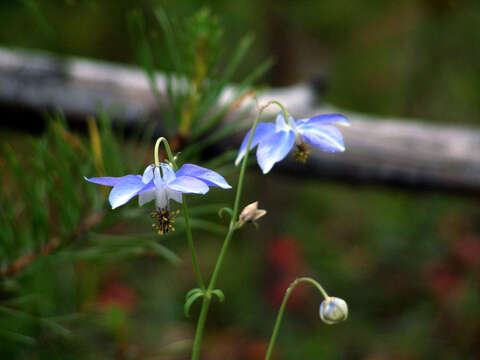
[415, 58]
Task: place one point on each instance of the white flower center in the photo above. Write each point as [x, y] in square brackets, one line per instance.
[161, 196]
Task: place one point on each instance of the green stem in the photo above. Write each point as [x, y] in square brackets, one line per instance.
[186, 216]
[213, 280]
[167, 149]
[286, 115]
[188, 229]
[282, 309]
[200, 326]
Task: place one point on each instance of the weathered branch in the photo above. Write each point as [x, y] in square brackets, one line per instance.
[22, 262]
[400, 152]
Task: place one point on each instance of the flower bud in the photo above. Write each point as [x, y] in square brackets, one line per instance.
[251, 213]
[333, 310]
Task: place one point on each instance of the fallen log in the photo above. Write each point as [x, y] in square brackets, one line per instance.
[399, 152]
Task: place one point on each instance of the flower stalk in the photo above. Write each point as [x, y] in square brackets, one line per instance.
[282, 309]
[213, 280]
[186, 216]
[170, 156]
[188, 229]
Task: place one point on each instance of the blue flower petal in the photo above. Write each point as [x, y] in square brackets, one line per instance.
[281, 123]
[324, 119]
[211, 178]
[157, 177]
[274, 148]
[262, 131]
[130, 186]
[327, 138]
[167, 172]
[107, 180]
[148, 174]
[188, 185]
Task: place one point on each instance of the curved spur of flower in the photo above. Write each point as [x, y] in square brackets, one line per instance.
[276, 140]
[161, 186]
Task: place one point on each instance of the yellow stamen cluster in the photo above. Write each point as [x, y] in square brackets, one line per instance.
[302, 152]
[165, 220]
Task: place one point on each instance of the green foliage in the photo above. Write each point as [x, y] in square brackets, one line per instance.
[198, 74]
[191, 297]
[52, 221]
[50, 218]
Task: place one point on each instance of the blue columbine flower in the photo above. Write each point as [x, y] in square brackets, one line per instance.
[161, 186]
[276, 140]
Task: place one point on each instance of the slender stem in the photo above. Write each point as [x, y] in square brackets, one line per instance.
[286, 115]
[167, 149]
[213, 280]
[186, 216]
[282, 309]
[155, 152]
[188, 229]
[200, 326]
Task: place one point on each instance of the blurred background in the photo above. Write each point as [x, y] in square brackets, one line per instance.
[80, 281]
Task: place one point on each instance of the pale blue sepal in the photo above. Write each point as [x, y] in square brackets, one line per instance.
[107, 180]
[324, 137]
[274, 148]
[325, 119]
[188, 184]
[263, 130]
[211, 178]
[129, 187]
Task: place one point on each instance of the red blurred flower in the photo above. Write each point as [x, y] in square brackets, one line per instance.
[443, 281]
[255, 350]
[285, 264]
[284, 254]
[117, 294]
[467, 250]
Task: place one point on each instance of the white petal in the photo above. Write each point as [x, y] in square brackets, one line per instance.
[146, 197]
[174, 195]
[161, 199]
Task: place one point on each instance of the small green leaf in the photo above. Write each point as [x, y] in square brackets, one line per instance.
[219, 294]
[225, 209]
[191, 292]
[190, 301]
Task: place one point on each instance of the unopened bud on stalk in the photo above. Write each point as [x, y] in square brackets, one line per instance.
[333, 310]
[250, 213]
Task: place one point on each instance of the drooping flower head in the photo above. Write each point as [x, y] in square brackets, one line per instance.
[275, 141]
[250, 213]
[333, 310]
[162, 184]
